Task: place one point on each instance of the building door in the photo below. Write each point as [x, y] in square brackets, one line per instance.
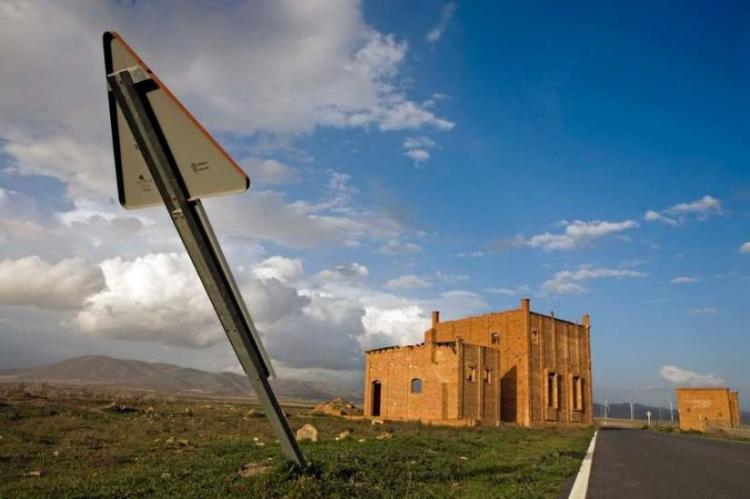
[376, 392]
[508, 391]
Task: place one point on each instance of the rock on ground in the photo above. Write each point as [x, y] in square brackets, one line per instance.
[307, 432]
[252, 469]
[337, 407]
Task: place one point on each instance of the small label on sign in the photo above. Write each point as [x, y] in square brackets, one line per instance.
[199, 166]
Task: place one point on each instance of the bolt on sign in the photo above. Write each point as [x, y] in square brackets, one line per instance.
[164, 156]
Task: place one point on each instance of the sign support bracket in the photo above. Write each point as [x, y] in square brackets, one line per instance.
[200, 242]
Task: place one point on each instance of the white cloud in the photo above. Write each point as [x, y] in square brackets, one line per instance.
[416, 148]
[706, 205]
[684, 377]
[83, 167]
[704, 311]
[17, 213]
[655, 216]
[396, 247]
[572, 281]
[473, 254]
[408, 281]
[446, 14]
[280, 268]
[157, 297]
[279, 66]
[577, 234]
[678, 214]
[334, 220]
[418, 155]
[31, 281]
[745, 248]
[269, 171]
[396, 325]
[684, 280]
[458, 303]
[351, 272]
[509, 291]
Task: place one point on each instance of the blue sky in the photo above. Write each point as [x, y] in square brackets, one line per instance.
[457, 156]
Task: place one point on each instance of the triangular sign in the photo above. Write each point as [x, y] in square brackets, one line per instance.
[205, 168]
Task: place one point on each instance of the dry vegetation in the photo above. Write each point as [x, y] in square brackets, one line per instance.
[91, 447]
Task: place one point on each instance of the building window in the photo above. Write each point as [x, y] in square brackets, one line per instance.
[553, 400]
[534, 336]
[416, 385]
[577, 393]
[487, 376]
[471, 373]
[495, 338]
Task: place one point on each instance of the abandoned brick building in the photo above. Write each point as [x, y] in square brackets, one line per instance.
[514, 366]
[704, 409]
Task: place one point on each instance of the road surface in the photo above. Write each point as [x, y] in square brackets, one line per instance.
[648, 464]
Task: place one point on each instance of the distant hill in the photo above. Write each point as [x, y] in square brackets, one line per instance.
[102, 371]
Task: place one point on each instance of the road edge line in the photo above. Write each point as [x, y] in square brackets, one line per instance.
[581, 485]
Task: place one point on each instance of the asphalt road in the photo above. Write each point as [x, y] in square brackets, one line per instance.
[645, 464]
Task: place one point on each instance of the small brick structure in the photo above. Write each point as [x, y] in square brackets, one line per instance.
[705, 409]
[515, 366]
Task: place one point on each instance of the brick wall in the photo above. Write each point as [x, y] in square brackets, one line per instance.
[707, 408]
[512, 353]
[436, 366]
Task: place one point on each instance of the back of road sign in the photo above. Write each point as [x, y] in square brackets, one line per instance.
[205, 168]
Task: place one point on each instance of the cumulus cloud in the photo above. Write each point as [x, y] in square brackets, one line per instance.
[396, 247]
[279, 67]
[18, 214]
[280, 268]
[446, 14]
[576, 235]
[684, 280]
[655, 216]
[458, 303]
[700, 209]
[351, 272]
[684, 377]
[33, 282]
[573, 281]
[408, 281]
[157, 297]
[745, 248]
[269, 171]
[417, 148]
[83, 167]
[335, 219]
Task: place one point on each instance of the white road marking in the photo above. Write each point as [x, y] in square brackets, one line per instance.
[581, 485]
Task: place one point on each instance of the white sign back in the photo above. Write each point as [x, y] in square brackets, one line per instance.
[205, 168]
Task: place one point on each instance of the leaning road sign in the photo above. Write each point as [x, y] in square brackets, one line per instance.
[205, 168]
[163, 155]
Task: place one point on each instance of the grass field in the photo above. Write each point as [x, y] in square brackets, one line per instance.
[192, 448]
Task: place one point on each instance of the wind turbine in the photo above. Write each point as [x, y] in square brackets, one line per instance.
[606, 408]
[671, 410]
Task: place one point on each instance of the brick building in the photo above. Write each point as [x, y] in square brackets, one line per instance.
[515, 366]
[708, 408]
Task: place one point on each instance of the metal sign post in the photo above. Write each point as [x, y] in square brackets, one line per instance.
[201, 244]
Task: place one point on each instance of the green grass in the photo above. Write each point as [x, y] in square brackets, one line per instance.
[83, 450]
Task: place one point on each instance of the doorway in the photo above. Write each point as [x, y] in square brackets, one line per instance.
[376, 393]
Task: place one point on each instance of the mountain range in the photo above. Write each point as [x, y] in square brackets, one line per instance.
[103, 371]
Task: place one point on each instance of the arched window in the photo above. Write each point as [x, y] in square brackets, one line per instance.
[416, 385]
[495, 338]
